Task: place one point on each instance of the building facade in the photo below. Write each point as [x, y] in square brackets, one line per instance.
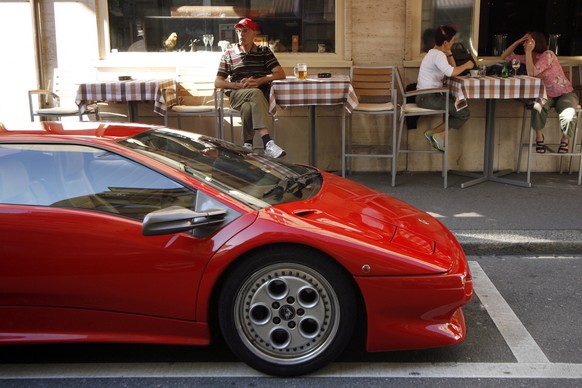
[49, 34]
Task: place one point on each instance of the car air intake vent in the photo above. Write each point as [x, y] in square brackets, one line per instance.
[306, 212]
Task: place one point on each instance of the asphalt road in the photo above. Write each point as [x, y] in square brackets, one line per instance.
[524, 329]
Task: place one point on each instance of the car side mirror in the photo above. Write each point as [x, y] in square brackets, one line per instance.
[175, 219]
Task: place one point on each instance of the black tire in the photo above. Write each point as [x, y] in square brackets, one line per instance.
[287, 312]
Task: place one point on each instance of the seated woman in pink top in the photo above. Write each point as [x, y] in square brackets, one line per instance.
[543, 63]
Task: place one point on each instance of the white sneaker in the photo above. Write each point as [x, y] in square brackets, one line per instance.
[248, 146]
[273, 150]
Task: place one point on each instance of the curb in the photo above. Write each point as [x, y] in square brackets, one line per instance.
[520, 242]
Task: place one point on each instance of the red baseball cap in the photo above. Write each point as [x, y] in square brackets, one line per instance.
[247, 23]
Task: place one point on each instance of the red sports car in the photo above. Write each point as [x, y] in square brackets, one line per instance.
[135, 233]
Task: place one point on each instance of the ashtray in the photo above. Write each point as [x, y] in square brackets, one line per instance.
[124, 78]
[324, 75]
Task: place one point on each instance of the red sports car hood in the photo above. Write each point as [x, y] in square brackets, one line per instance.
[358, 212]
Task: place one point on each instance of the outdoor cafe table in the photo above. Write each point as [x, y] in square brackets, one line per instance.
[130, 91]
[493, 88]
[336, 90]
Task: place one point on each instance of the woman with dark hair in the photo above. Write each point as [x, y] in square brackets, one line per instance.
[543, 63]
[436, 65]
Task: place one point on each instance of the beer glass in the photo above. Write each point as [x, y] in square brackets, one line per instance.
[300, 71]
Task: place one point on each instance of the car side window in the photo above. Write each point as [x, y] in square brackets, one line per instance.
[88, 178]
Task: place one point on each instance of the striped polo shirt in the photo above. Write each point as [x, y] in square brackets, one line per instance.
[237, 64]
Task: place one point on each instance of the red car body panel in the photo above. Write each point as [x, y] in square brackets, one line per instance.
[439, 282]
[404, 314]
[409, 268]
[30, 325]
[170, 266]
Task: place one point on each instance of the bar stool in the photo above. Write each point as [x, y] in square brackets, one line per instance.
[409, 109]
[375, 88]
[572, 149]
[195, 96]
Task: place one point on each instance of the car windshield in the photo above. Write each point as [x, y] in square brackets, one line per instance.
[257, 180]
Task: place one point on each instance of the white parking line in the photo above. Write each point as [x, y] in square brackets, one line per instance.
[455, 370]
[339, 369]
[521, 343]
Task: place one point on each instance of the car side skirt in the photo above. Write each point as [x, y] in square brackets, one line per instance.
[20, 325]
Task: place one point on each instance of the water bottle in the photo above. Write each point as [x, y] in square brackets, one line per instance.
[504, 71]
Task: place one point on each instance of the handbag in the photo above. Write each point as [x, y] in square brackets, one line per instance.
[462, 55]
[411, 121]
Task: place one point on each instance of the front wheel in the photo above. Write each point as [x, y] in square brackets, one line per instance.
[287, 312]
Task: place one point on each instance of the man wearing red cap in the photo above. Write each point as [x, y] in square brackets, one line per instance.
[246, 72]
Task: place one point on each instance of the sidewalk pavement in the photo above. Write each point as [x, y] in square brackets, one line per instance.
[494, 218]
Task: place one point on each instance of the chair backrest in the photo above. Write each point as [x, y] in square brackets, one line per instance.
[374, 84]
[195, 86]
[399, 83]
[411, 109]
[568, 71]
[66, 82]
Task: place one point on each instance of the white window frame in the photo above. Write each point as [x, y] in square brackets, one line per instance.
[340, 58]
[414, 31]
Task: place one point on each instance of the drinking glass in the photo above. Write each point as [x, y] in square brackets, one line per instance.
[205, 40]
[300, 71]
[553, 41]
[499, 44]
[515, 65]
[210, 41]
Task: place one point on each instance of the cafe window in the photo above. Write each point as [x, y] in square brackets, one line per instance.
[505, 21]
[181, 25]
[455, 13]
[500, 22]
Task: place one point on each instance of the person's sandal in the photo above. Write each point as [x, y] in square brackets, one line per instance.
[563, 149]
[540, 146]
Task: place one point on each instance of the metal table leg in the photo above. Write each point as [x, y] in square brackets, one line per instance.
[489, 155]
[132, 111]
[312, 136]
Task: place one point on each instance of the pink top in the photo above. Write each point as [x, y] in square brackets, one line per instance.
[548, 68]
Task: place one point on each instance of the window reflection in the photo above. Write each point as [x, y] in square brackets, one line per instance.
[455, 13]
[180, 25]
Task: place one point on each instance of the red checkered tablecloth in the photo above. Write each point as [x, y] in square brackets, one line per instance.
[336, 90]
[124, 91]
[496, 87]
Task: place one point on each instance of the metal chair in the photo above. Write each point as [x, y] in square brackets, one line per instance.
[195, 95]
[375, 87]
[574, 150]
[528, 107]
[410, 109]
[578, 87]
[226, 111]
[60, 101]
